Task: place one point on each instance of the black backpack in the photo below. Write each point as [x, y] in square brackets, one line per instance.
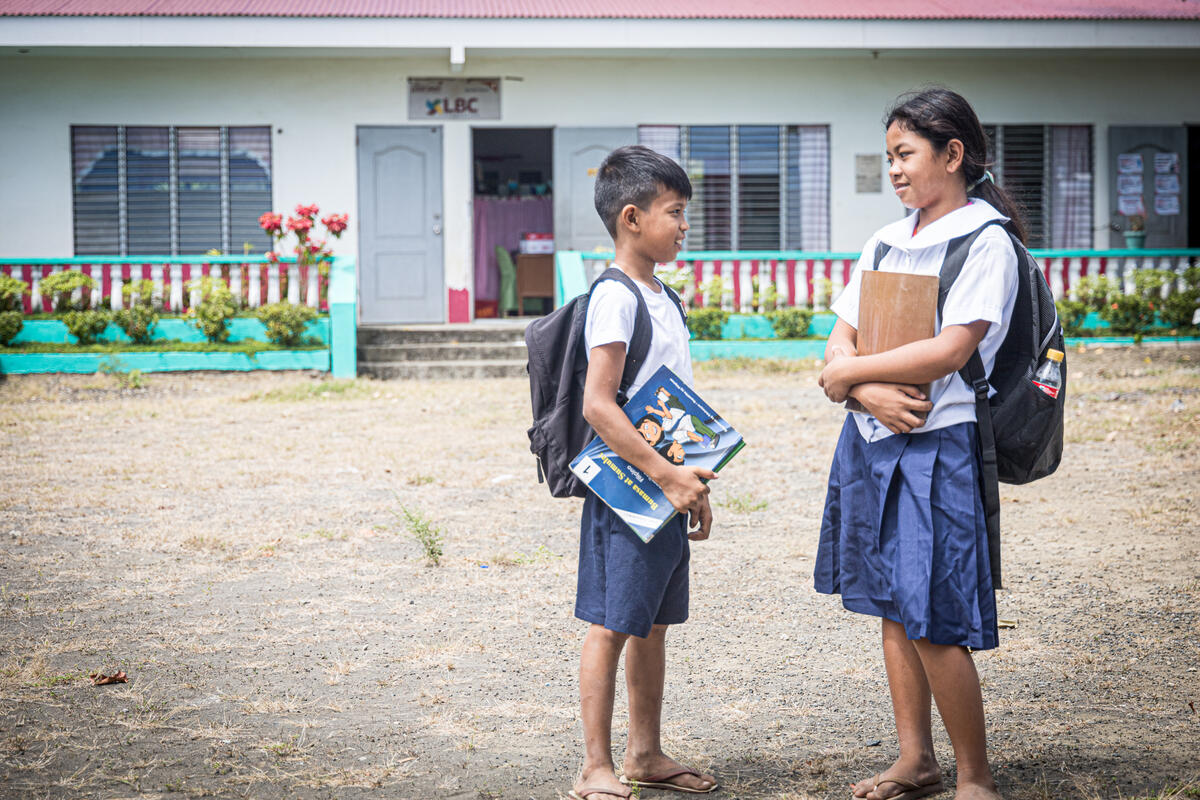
[1020, 427]
[557, 370]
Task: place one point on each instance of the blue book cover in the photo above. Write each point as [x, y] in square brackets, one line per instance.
[676, 423]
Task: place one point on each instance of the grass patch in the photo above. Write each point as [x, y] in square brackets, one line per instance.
[743, 503]
[316, 390]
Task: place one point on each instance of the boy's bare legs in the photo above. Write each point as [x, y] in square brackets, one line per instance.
[955, 683]
[597, 686]
[645, 674]
[911, 707]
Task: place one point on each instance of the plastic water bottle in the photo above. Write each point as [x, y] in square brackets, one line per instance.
[1049, 374]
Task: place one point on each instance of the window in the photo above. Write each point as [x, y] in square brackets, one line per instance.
[1048, 171]
[168, 190]
[754, 187]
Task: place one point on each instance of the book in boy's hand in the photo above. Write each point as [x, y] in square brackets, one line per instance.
[681, 427]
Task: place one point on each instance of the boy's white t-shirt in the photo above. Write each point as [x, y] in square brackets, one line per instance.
[610, 316]
[984, 290]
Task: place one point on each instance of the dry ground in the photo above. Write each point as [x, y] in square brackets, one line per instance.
[237, 545]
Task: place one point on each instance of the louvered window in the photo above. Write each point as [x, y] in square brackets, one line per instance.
[1048, 171]
[754, 187]
[170, 190]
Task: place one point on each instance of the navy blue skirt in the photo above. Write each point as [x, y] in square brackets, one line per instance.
[904, 534]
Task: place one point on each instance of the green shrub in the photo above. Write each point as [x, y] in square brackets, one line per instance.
[60, 285]
[1095, 291]
[706, 323]
[822, 292]
[86, 326]
[713, 290]
[1071, 313]
[1179, 309]
[285, 322]
[11, 292]
[138, 322]
[10, 325]
[790, 323]
[143, 290]
[216, 307]
[677, 279]
[764, 299]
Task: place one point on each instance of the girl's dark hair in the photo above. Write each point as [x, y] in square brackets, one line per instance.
[940, 115]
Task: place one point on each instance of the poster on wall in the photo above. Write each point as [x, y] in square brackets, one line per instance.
[1166, 205]
[1130, 204]
[434, 99]
[1165, 163]
[868, 172]
[1128, 163]
[1166, 184]
[1129, 184]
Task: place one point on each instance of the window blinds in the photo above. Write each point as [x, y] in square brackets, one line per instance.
[169, 190]
[755, 187]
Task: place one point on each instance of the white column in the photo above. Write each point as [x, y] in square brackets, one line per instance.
[293, 272]
[313, 299]
[254, 290]
[1057, 267]
[115, 298]
[273, 283]
[745, 278]
[36, 273]
[176, 271]
[156, 277]
[235, 282]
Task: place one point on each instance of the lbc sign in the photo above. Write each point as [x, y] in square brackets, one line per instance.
[432, 99]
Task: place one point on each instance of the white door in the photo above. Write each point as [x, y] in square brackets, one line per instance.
[400, 225]
[1167, 177]
[577, 154]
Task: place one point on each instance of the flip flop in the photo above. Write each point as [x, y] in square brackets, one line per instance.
[586, 793]
[911, 790]
[664, 782]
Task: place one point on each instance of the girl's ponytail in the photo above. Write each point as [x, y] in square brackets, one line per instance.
[940, 115]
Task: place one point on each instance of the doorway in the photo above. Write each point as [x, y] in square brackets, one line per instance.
[513, 220]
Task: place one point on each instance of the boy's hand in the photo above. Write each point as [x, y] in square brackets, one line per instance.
[893, 404]
[835, 380]
[683, 486]
[700, 521]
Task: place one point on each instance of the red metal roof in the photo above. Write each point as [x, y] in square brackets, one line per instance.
[619, 9]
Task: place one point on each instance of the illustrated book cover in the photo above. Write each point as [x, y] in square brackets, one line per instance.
[894, 309]
[681, 427]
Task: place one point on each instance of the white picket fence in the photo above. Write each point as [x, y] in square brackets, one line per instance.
[816, 282]
[255, 282]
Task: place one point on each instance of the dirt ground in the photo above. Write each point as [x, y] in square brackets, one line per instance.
[238, 545]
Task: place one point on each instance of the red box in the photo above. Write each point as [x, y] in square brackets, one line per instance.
[537, 243]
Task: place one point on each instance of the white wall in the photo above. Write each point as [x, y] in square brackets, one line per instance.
[314, 106]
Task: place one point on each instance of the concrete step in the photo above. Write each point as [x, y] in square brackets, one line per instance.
[434, 370]
[489, 331]
[443, 351]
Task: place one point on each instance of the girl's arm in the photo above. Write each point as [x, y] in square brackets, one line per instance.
[681, 484]
[915, 363]
[843, 341]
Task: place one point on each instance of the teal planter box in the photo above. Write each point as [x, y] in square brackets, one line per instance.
[760, 348]
[29, 363]
[240, 329]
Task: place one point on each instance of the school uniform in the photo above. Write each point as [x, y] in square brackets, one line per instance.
[903, 534]
[625, 584]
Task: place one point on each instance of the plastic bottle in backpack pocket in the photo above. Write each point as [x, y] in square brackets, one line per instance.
[1049, 374]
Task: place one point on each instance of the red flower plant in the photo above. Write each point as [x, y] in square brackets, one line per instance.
[308, 251]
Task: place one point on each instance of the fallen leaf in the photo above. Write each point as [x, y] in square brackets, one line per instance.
[1006, 623]
[100, 679]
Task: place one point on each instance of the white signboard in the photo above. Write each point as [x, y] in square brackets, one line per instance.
[433, 99]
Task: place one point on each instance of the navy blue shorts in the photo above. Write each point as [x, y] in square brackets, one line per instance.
[625, 584]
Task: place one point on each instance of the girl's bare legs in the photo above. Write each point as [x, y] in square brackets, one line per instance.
[951, 673]
[912, 707]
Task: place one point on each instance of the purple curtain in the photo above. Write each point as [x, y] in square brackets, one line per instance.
[501, 221]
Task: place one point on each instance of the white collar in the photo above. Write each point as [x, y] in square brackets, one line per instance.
[958, 222]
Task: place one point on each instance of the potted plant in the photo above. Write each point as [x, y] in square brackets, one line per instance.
[1135, 232]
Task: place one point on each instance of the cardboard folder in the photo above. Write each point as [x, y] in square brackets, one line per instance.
[894, 309]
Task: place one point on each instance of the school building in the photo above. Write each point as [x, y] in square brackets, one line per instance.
[447, 128]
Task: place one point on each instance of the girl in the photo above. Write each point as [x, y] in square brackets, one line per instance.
[904, 535]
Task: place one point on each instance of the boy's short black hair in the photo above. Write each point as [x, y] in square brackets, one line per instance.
[635, 175]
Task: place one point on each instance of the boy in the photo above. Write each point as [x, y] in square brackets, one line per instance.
[630, 590]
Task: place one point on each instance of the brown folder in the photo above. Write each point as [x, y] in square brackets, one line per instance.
[894, 309]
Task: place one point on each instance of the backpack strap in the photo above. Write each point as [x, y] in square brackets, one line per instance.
[643, 329]
[974, 376]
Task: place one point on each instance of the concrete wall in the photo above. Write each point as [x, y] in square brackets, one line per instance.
[315, 104]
